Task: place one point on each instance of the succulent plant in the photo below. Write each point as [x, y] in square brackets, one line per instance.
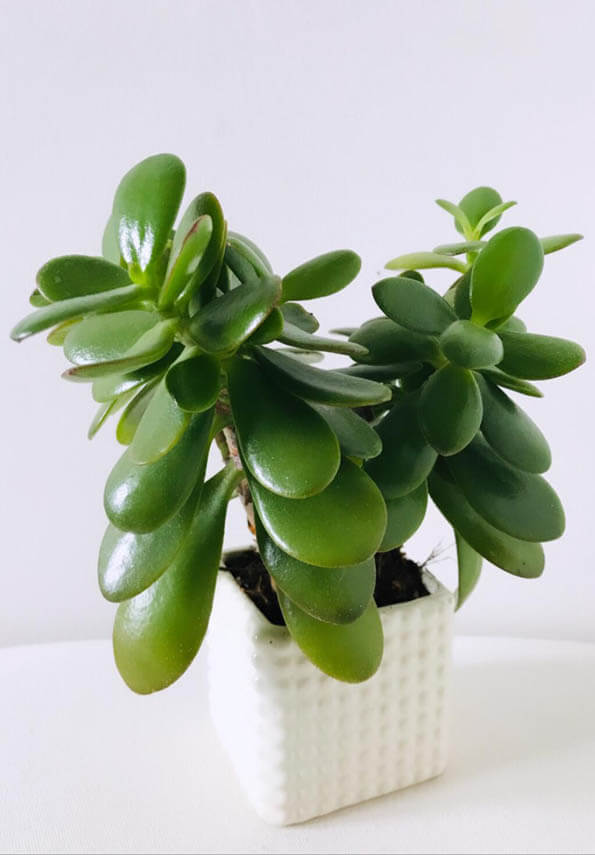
[171, 329]
[451, 429]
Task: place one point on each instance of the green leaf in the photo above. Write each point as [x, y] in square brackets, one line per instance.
[252, 253]
[135, 410]
[295, 337]
[342, 525]
[161, 427]
[105, 388]
[269, 330]
[491, 215]
[187, 270]
[72, 276]
[406, 458]
[333, 594]
[450, 409]
[129, 563]
[515, 556]
[460, 248]
[194, 382]
[202, 286]
[386, 341]
[511, 324]
[460, 217]
[287, 446]
[65, 310]
[102, 338]
[405, 515]
[469, 565]
[539, 357]
[470, 346]
[309, 357]
[321, 387]
[381, 373]
[140, 497]
[295, 314]
[510, 431]
[425, 261]
[57, 336]
[516, 502]
[110, 247]
[346, 331]
[553, 243]
[413, 305]
[356, 437]
[326, 274]
[478, 202]
[151, 346]
[145, 208]
[521, 386]
[37, 300]
[158, 633]
[222, 325]
[505, 272]
[351, 653]
[239, 265]
[462, 297]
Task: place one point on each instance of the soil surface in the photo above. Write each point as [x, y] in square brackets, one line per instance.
[398, 580]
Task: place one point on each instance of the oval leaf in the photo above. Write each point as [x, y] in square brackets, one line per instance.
[326, 274]
[135, 410]
[450, 409]
[405, 515]
[187, 267]
[476, 204]
[105, 388]
[194, 382]
[251, 252]
[161, 427]
[295, 314]
[413, 305]
[79, 275]
[386, 341]
[539, 357]
[469, 567]
[106, 337]
[356, 437]
[470, 346]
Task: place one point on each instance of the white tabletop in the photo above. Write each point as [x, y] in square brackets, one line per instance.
[87, 766]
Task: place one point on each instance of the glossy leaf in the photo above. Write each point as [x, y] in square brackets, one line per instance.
[470, 346]
[504, 273]
[500, 378]
[405, 515]
[239, 265]
[351, 653]
[287, 446]
[462, 297]
[145, 208]
[269, 330]
[79, 275]
[460, 248]
[381, 373]
[493, 214]
[194, 382]
[450, 409]
[386, 341]
[140, 497]
[105, 388]
[64, 310]
[308, 357]
[101, 338]
[318, 386]
[539, 357]
[469, 568]
[295, 337]
[333, 594]
[222, 325]
[135, 410]
[202, 285]
[510, 431]
[251, 253]
[553, 243]
[413, 305]
[476, 204]
[158, 633]
[356, 437]
[342, 525]
[110, 246]
[515, 556]
[407, 457]
[460, 217]
[326, 274]
[187, 271]
[425, 261]
[161, 427]
[519, 503]
[57, 336]
[295, 314]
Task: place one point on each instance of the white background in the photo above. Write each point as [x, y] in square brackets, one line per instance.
[319, 125]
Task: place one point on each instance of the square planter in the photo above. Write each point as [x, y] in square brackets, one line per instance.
[303, 744]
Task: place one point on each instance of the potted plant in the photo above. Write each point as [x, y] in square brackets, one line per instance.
[174, 330]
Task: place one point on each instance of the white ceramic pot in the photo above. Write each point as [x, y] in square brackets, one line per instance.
[303, 744]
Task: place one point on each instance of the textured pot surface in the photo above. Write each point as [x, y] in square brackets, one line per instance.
[303, 744]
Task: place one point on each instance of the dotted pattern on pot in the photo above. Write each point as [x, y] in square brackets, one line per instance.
[303, 744]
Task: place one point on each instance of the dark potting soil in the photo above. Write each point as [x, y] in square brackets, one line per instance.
[398, 580]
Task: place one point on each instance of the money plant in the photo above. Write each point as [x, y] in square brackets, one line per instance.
[451, 429]
[189, 337]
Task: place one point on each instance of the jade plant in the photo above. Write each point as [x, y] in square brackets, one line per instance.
[172, 330]
[451, 428]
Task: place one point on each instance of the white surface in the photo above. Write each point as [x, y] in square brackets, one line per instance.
[320, 124]
[316, 744]
[86, 766]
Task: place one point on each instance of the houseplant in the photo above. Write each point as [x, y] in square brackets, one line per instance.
[173, 329]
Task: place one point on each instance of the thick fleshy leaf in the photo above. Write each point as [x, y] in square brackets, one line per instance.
[342, 525]
[187, 266]
[351, 653]
[539, 357]
[515, 556]
[332, 594]
[469, 566]
[511, 324]
[202, 286]
[239, 266]
[287, 446]
[37, 300]
[57, 336]
[110, 246]
[356, 437]
[425, 261]
[194, 381]
[450, 409]
[158, 633]
[105, 410]
[308, 357]
[105, 388]
[523, 387]
[295, 337]
[413, 305]
[460, 248]
[140, 497]
[555, 242]
[476, 204]
[460, 217]
[386, 341]
[407, 457]
[145, 208]
[151, 346]
[462, 297]
[251, 252]
[64, 310]
[102, 338]
[504, 273]
[135, 410]
[128, 563]
[160, 429]
[405, 515]
[222, 325]
[321, 387]
[295, 314]
[326, 274]
[493, 214]
[346, 331]
[519, 503]
[79, 275]
[470, 346]
[510, 431]
[382, 373]
[269, 330]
